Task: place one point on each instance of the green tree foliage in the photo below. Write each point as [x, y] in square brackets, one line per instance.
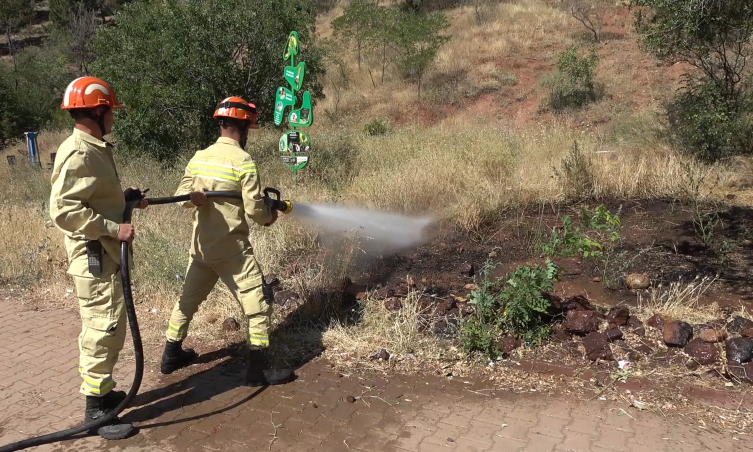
[716, 37]
[14, 14]
[418, 37]
[30, 95]
[412, 38]
[172, 61]
[572, 84]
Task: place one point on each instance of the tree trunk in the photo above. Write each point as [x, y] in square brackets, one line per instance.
[384, 59]
[358, 45]
[13, 56]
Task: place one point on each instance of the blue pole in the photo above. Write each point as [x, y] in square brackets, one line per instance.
[31, 144]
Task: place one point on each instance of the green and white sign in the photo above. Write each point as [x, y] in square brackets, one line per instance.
[294, 149]
[294, 145]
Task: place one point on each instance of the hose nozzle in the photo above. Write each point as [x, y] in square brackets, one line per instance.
[280, 205]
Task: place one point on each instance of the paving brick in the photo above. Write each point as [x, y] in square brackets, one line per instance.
[374, 441]
[468, 445]
[409, 438]
[615, 440]
[583, 424]
[482, 432]
[445, 431]
[575, 442]
[550, 426]
[516, 429]
[540, 443]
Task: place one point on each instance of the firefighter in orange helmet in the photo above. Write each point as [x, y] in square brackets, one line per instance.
[87, 204]
[220, 248]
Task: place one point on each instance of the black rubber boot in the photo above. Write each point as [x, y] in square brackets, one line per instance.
[112, 399]
[95, 409]
[258, 372]
[175, 357]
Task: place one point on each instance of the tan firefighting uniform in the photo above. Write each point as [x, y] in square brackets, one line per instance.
[87, 203]
[220, 248]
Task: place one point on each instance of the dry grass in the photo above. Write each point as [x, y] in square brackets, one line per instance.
[397, 332]
[681, 301]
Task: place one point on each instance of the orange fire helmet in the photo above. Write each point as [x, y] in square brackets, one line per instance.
[237, 108]
[89, 92]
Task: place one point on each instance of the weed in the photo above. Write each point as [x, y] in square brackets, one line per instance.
[377, 127]
[510, 305]
[573, 240]
[576, 174]
[572, 84]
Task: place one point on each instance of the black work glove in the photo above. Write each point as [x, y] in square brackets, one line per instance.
[134, 194]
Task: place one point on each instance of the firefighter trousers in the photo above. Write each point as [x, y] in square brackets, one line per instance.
[242, 276]
[103, 329]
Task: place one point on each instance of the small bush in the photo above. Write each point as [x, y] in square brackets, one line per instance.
[572, 240]
[510, 305]
[710, 126]
[377, 127]
[576, 174]
[572, 84]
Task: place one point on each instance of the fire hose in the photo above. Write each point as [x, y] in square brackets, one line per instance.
[276, 203]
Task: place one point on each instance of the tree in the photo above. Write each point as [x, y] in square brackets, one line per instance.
[715, 37]
[588, 12]
[173, 60]
[417, 39]
[711, 35]
[15, 14]
[359, 24]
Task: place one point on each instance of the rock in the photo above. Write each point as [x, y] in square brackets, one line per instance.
[384, 293]
[731, 196]
[738, 324]
[702, 352]
[393, 304]
[314, 405]
[445, 306]
[383, 355]
[493, 255]
[442, 328]
[739, 349]
[711, 335]
[465, 309]
[402, 291]
[212, 318]
[644, 349]
[597, 346]
[613, 334]
[634, 322]
[510, 343]
[596, 279]
[450, 440]
[354, 289]
[561, 334]
[284, 297]
[471, 286]
[639, 331]
[743, 372]
[677, 333]
[577, 303]
[350, 399]
[230, 324]
[747, 332]
[618, 315]
[468, 270]
[657, 321]
[637, 281]
[692, 364]
[425, 304]
[581, 322]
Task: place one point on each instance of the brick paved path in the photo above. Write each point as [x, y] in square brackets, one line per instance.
[209, 410]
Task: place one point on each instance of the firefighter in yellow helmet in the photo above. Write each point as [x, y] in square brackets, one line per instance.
[87, 204]
[220, 248]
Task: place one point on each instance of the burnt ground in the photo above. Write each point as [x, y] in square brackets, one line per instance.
[657, 239]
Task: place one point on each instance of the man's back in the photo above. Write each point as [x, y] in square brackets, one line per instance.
[220, 227]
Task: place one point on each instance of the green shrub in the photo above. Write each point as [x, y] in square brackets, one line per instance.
[571, 240]
[572, 84]
[510, 305]
[377, 127]
[709, 125]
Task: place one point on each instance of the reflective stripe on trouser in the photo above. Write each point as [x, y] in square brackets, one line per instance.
[242, 277]
[103, 330]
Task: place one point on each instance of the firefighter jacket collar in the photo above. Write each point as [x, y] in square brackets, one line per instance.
[230, 141]
[89, 139]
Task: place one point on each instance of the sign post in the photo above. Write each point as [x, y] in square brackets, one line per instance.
[294, 145]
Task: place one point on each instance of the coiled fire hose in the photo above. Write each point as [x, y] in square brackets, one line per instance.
[125, 278]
